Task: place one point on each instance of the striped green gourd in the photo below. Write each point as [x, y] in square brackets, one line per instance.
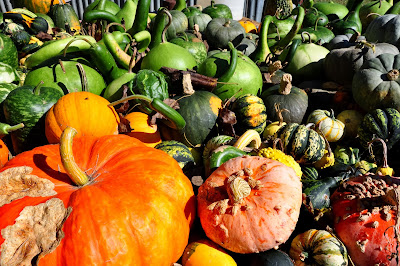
[303, 143]
[318, 247]
[380, 123]
[177, 150]
[250, 113]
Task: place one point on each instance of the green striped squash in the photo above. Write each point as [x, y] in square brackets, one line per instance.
[200, 111]
[309, 174]
[325, 121]
[318, 247]
[303, 143]
[250, 113]
[177, 150]
[380, 123]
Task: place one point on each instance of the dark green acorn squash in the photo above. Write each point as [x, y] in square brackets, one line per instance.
[177, 150]
[318, 193]
[293, 100]
[200, 111]
[37, 25]
[218, 10]
[377, 83]
[250, 113]
[380, 123]
[304, 144]
[272, 257]
[220, 31]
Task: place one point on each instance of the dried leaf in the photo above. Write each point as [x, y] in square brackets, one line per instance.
[44, 36]
[16, 183]
[226, 120]
[124, 125]
[36, 232]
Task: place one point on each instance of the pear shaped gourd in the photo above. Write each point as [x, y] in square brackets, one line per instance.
[166, 54]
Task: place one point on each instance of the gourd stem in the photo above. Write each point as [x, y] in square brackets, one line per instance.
[238, 189]
[73, 40]
[286, 84]
[276, 141]
[77, 176]
[393, 74]
[279, 112]
[36, 90]
[164, 40]
[232, 67]
[132, 97]
[84, 81]
[7, 128]
[385, 162]
[113, 24]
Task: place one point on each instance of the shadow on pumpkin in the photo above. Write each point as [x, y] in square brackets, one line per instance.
[40, 162]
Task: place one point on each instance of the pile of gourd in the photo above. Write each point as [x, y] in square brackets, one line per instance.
[187, 137]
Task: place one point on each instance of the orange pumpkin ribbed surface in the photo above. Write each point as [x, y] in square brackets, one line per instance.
[250, 204]
[136, 209]
[88, 113]
[4, 153]
[142, 129]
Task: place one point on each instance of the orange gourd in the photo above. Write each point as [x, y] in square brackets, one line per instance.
[4, 153]
[250, 204]
[248, 26]
[88, 113]
[204, 252]
[134, 205]
[37, 6]
[142, 129]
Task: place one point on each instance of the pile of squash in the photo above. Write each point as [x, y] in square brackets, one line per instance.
[185, 137]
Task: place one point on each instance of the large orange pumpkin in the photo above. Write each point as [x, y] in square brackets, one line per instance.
[142, 129]
[88, 113]
[250, 204]
[4, 153]
[37, 6]
[136, 209]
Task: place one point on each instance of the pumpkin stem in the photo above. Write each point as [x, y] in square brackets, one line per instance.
[227, 24]
[238, 189]
[36, 90]
[393, 74]
[275, 66]
[67, 157]
[286, 84]
[132, 97]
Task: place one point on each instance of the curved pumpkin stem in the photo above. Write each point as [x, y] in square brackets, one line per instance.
[76, 174]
